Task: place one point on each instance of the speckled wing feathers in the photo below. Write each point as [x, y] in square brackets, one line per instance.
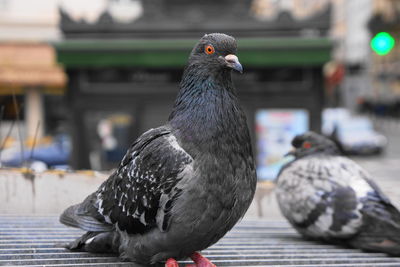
[321, 196]
[150, 170]
[377, 205]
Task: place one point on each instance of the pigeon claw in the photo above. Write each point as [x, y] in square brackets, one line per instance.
[171, 263]
[200, 261]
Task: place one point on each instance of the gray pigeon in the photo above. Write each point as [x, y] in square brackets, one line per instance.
[329, 197]
[182, 186]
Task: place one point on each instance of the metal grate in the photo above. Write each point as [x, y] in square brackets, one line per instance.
[35, 241]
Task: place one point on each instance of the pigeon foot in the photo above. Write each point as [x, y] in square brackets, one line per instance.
[171, 262]
[200, 261]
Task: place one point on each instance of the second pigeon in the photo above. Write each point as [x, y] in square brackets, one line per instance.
[329, 197]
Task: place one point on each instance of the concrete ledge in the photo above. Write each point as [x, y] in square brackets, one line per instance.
[22, 191]
[25, 192]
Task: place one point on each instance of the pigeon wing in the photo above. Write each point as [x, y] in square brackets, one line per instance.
[376, 204]
[320, 197]
[145, 184]
[381, 222]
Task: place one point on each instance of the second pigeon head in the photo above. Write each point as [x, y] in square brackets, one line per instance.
[311, 143]
[216, 51]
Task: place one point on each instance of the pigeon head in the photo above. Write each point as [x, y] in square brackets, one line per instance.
[311, 143]
[214, 53]
[206, 101]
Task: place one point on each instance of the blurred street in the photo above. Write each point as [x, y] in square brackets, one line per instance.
[385, 169]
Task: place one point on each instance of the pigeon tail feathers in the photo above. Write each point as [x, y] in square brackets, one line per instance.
[378, 235]
[71, 217]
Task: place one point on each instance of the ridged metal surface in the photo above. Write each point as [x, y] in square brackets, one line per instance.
[36, 241]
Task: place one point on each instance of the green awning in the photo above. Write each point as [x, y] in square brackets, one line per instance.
[252, 52]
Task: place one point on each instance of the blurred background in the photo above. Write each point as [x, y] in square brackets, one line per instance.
[80, 80]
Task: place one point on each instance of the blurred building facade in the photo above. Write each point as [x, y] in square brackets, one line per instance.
[352, 71]
[22, 20]
[30, 79]
[29, 75]
[124, 73]
[28, 68]
[354, 23]
[352, 37]
[347, 76]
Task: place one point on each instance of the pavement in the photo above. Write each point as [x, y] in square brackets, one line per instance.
[384, 169]
[36, 241]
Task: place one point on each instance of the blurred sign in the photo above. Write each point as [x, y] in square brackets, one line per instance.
[275, 129]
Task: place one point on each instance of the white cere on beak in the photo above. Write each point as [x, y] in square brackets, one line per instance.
[233, 63]
[231, 58]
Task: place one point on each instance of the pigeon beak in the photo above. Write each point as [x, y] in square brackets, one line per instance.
[232, 62]
[291, 153]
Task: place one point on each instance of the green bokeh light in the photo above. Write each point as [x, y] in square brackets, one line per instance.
[382, 43]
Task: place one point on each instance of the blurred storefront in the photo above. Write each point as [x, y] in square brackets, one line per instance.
[28, 75]
[32, 84]
[124, 73]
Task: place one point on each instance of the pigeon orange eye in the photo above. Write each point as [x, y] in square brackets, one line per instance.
[210, 50]
[307, 145]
